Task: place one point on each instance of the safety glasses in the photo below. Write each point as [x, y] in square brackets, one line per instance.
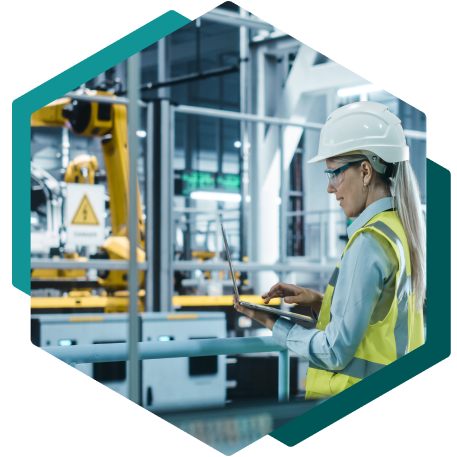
[336, 176]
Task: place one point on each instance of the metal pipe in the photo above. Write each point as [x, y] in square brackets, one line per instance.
[170, 126]
[283, 206]
[190, 265]
[61, 264]
[182, 265]
[133, 119]
[283, 375]
[237, 20]
[149, 208]
[199, 210]
[166, 199]
[218, 238]
[269, 120]
[243, 117]
[189, 220]
[162, 69]
[284, 197]
[244, 151]
[415, 134]
[118, 352]
[102, 99]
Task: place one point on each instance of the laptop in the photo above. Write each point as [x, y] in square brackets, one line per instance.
[268, 309]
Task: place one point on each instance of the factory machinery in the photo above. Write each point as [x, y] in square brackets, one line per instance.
[70, 290]
[107, 121]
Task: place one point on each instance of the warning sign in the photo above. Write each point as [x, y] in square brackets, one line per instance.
[85, 215]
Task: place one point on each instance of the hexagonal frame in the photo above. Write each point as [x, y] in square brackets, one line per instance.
[438, 344]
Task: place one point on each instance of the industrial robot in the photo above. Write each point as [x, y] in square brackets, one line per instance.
[107, 121]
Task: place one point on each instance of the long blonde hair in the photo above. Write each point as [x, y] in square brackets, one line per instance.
[404, 187]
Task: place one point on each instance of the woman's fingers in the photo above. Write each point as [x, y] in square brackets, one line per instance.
[277, 293]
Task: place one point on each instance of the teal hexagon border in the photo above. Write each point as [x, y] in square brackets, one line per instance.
[24, 106]
[438, 344]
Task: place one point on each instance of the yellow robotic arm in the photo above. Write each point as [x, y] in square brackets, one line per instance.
[51, 115]
[109, 122]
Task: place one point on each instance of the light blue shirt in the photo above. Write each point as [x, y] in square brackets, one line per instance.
[363, 295]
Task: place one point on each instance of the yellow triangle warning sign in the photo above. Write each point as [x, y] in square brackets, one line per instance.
[85, 215]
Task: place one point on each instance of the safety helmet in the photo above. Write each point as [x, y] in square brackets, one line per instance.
[368, 128]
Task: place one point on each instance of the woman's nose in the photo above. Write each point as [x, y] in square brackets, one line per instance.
[331, 188]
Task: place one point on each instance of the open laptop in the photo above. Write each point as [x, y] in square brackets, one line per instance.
[268, 309]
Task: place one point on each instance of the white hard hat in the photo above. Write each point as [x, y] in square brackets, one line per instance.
[366, 127]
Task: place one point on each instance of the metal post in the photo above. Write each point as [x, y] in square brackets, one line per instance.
[162, 67]
[283, 375]
[133, 86]
[169, 128]
[166, 204]
[322, 238]
[149, 207]
[304, 183]
[244, 162]
[65, 147]
[284, 204]
[217, 237]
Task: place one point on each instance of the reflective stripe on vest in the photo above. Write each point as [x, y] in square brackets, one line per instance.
[357, 368]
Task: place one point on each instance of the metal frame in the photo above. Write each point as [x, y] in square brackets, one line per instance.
[149, 172]
[133, 118]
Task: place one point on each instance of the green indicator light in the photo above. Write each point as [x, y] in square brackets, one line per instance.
[230, 183]
[197, 180]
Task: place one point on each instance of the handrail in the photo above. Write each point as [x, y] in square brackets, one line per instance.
[118, 352]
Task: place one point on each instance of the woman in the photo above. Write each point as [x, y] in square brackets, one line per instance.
[371, 312]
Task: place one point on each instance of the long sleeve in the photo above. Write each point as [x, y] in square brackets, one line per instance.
[364, 271]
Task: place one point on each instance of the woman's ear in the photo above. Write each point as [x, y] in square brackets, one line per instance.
[367, 172]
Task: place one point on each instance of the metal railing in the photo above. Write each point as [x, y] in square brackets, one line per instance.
[119, 352]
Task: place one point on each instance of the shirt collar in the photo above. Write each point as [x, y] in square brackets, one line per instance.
[368, 213]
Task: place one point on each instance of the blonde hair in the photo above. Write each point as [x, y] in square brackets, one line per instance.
[404, 187]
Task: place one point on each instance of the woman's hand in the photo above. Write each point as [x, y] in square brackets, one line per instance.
[295, 294]
[266, 319]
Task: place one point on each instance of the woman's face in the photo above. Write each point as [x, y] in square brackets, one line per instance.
[350, 193]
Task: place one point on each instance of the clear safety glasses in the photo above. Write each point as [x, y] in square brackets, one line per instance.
[336, 176]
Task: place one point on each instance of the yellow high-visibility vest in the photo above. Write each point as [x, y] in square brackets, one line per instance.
[401, 331]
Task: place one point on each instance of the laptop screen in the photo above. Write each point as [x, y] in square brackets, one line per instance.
[230, 264]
